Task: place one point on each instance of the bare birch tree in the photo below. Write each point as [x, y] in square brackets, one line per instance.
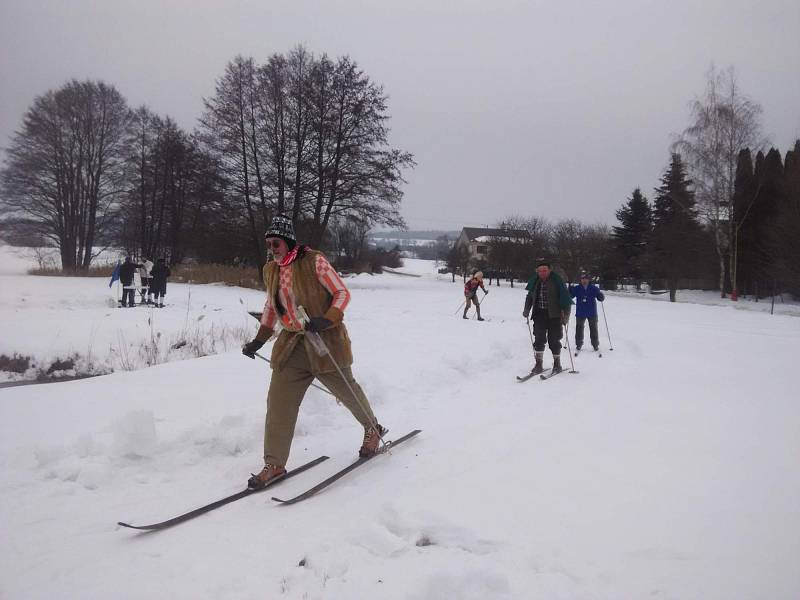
[724, 122]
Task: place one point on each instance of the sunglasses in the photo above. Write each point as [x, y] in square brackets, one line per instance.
[274, 244]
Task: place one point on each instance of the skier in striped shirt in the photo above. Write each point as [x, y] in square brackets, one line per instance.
[301, 277]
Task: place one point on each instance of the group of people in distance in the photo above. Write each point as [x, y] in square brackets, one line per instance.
[153, 285]
[548, 304]
[305, 304]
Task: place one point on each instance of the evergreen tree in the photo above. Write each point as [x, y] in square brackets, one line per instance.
[766, 209]
[631, 237]
[745, 195]
[677, 235]
[789, 222]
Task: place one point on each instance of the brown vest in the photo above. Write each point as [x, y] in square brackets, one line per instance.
[311, 295]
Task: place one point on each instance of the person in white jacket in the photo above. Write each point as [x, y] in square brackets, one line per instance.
[146, 288]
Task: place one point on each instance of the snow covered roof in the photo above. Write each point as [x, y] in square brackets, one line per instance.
[486, 234]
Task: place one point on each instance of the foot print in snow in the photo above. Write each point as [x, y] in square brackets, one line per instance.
[423, 530]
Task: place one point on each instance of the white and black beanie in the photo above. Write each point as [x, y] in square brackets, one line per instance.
[281, 227]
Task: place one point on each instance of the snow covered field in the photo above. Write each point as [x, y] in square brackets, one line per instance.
[669, 468]
[55, 318]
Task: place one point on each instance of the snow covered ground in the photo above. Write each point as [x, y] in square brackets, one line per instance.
[783, 304]
[56, 318]
[666, 469]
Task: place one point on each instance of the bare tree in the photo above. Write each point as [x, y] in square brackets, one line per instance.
[272, 119]
[724, 122]
[308, 137]
[64, 166]
[300, 64]
[569, 248]
[229, 131]
[350, 237]
[356, 170]
[458, 260]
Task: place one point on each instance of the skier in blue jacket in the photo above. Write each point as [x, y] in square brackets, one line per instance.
[586, 296]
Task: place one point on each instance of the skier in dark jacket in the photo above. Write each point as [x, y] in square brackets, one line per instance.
[471, 293]
[586, 296]
[158, 282]
[126, 271]
[549, 299]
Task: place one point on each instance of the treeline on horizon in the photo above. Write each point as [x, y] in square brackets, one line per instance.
[666, 243]
[307, 136]
[726, 215]
[300, 134]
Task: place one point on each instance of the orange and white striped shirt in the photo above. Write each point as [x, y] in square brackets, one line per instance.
[328, 278]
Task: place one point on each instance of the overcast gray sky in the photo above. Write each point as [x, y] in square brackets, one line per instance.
[556, 109]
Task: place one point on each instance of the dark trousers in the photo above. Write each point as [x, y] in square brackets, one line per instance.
[130, 294]
[158, 288]
[546, 331]
[579, 321]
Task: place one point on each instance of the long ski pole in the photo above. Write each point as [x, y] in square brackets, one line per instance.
[459, 307]
[303, 315]
[569, 350]
[319, 387]
[610, 345]
[479, 302]
[530, 333]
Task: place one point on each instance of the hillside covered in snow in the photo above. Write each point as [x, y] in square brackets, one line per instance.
[666, 469]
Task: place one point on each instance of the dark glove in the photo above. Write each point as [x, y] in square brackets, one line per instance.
[485, 292]
[564, 318]
[528, 306]
[250, 348]
[317, 324]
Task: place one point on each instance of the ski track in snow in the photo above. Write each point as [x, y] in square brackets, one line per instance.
[667, 469]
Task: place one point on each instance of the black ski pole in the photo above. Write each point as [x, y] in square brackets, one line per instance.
[479, 302]
[572, 362]
[530, 333]
[319, 387]
[610, 345]
[318, 341]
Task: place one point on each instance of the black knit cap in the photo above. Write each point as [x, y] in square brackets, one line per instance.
[542, 262]
[281, 227]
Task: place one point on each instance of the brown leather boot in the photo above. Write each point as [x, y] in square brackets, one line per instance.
[371, 440]
[268, 474]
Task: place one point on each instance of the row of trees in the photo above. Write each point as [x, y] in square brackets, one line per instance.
[669, 242]
[573, 245]
[727, 209]
[299, 134]
[306, 136]
[672, 239]
[664, 240]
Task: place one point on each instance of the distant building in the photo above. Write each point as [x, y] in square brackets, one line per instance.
[478, 239]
